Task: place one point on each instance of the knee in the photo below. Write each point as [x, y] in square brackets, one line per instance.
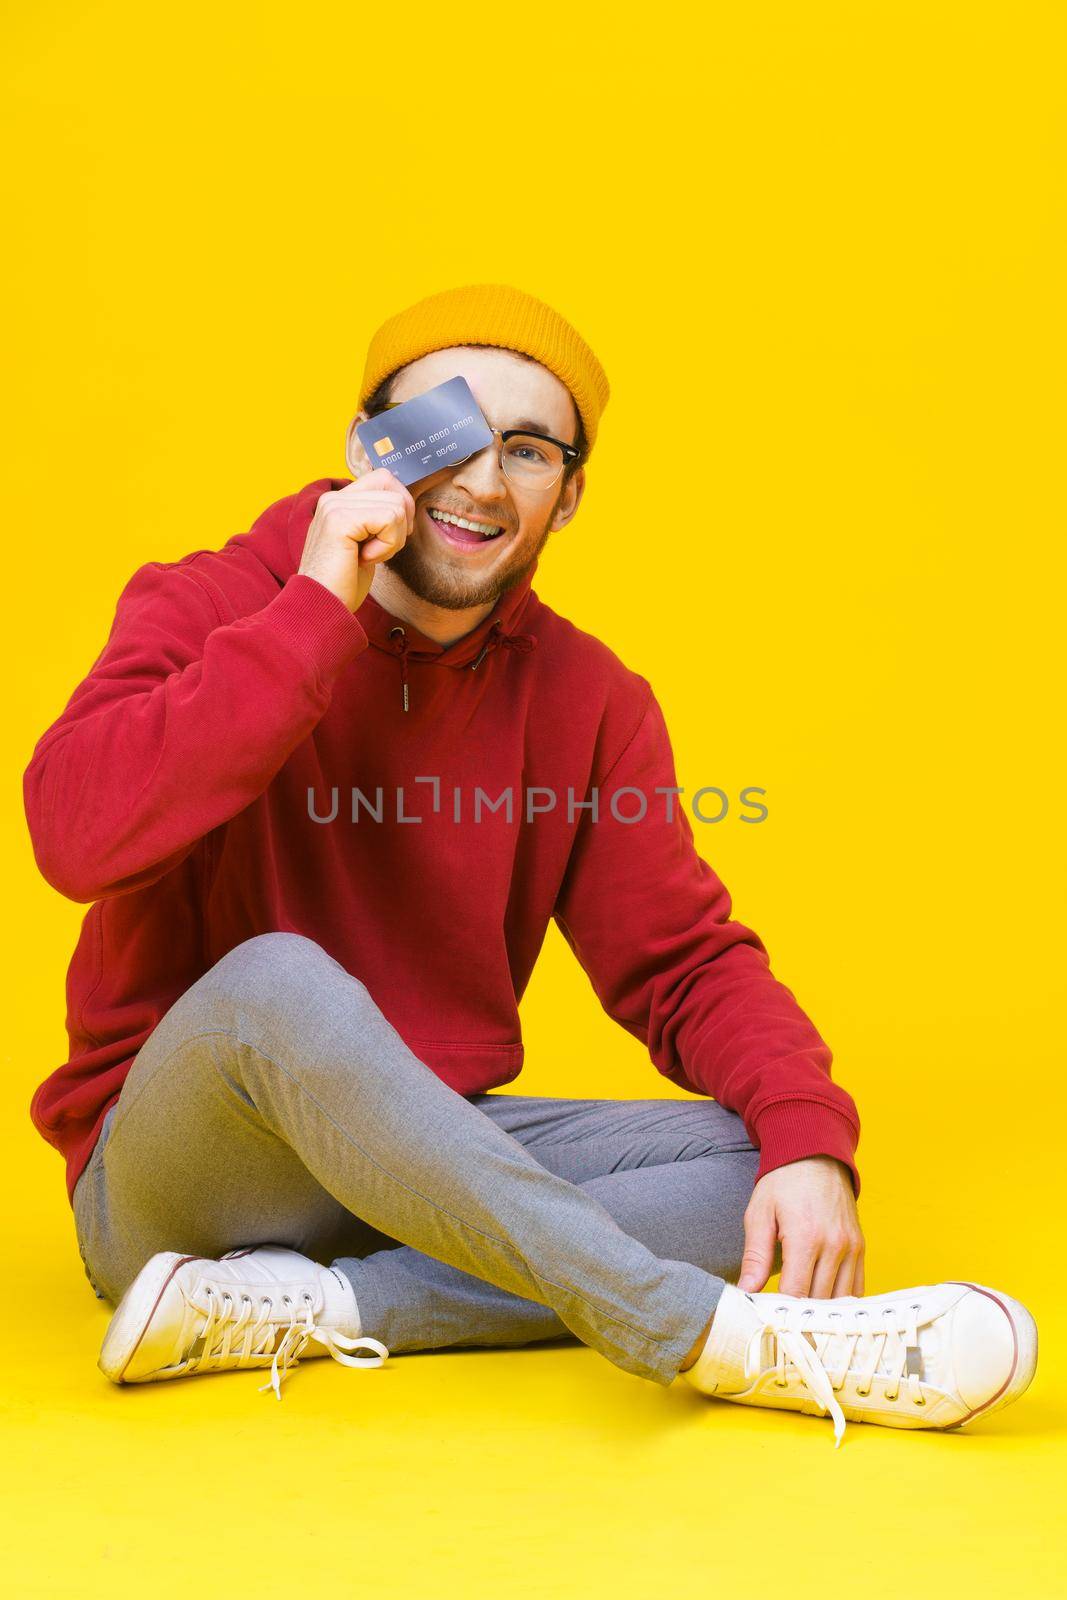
[279, 975]
[274, 970]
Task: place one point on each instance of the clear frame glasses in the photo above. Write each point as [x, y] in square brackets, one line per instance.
[532, 461]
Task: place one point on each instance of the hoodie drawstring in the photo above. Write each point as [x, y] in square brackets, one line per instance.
[402, 649]
[522, 642]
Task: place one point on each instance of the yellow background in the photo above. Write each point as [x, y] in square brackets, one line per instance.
[827, 243]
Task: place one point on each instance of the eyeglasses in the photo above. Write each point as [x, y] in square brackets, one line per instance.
[532, 461]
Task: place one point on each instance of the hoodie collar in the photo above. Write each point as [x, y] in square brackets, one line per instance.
[500, 626]
[277, 539]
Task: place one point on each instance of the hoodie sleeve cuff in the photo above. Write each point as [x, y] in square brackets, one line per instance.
[316, 625]
[792, 1130]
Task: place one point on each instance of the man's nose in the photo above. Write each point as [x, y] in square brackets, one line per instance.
[482, 475]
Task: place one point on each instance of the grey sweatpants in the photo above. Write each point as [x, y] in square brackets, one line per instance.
[275, 1104]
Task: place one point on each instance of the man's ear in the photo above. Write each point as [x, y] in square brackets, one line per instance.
[355, 456]
[569, 500]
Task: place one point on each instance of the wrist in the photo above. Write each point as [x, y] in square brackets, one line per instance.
[795, 1129]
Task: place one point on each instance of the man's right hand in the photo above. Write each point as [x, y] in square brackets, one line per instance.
[353, 529]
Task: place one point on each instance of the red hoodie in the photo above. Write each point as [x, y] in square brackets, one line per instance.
[187, 787]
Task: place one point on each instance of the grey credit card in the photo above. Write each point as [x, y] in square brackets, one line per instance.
[437, 429]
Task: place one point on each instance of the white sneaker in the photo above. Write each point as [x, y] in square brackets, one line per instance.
[931, 1357]
[254, 1308]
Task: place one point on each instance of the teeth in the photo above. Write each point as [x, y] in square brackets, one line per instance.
[489, 530]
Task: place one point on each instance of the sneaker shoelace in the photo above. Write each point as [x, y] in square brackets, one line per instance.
[249, 1336]
[850, 1341]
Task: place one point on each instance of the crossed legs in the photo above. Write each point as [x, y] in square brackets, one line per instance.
[275, 1103]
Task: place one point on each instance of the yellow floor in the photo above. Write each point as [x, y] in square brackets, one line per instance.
[543, 1471]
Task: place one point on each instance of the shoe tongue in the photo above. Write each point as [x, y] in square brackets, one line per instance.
[925, 1360]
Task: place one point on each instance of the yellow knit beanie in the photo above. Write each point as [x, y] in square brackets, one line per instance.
[495, 314]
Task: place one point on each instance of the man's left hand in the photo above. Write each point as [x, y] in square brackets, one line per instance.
[810, 1205]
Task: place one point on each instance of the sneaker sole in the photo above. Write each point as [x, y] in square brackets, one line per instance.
[1024, 1362]
[134, 1313]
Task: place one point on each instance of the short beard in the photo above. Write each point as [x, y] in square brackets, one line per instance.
[451, 590]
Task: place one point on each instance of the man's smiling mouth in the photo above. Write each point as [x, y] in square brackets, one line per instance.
[464, 529]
